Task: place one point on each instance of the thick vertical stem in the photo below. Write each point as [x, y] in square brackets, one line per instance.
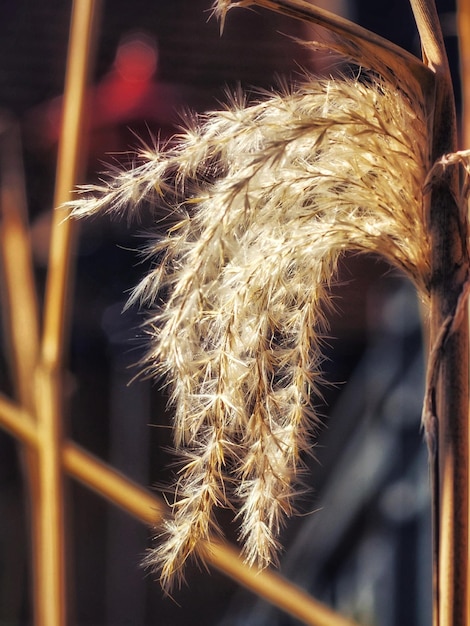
[451, 406]
[463, 17]
[449, 273]
[448, 232]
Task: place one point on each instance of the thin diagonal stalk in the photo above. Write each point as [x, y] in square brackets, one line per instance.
[272, 587]
[137, 501]
[50, 580]
[20, 301]
[149, 509]
[18, 422]
[450, 269]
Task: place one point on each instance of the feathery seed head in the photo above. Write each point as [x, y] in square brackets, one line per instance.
[268, 196]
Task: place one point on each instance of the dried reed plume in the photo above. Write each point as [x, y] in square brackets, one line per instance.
[265, 197]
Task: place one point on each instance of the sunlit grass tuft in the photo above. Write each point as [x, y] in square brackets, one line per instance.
[264, 200]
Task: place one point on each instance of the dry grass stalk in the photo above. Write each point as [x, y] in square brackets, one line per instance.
[448, 231]
[17, 265]
[463, 15]
[50, 578]
[21, 319]
[148, 508]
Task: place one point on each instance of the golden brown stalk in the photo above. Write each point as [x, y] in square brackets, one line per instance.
[146, 507]
[21, 317]
[450, 274]
[50, 580]
[17, 264]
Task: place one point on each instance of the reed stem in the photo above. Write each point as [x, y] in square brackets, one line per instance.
[18, 275]
[450, 271]
[50, 587]
[20, 304]
[463, 17]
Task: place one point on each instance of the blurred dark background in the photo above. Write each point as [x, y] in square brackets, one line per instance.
[366, 549]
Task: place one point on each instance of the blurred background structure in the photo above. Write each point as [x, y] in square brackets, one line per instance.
[362, 541]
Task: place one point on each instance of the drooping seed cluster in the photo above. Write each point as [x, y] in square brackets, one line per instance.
[264, 200]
